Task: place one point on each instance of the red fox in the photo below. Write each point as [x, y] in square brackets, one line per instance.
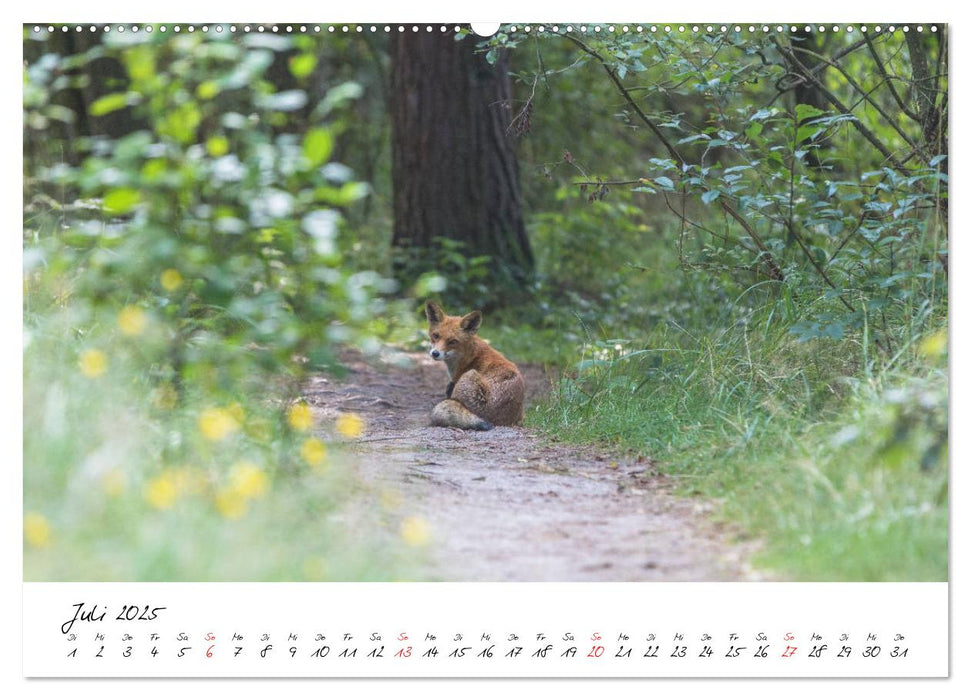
[484, 389]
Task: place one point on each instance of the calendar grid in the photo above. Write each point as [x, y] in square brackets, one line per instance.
[498, 630]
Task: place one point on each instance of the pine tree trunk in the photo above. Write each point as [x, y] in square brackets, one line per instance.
[454, 166]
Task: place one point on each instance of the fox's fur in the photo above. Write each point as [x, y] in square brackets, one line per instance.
[485, 389]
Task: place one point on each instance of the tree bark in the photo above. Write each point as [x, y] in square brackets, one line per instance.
[454, 168]
[806, 91]
[925, 91]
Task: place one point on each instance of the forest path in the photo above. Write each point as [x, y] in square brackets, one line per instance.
[510, 504]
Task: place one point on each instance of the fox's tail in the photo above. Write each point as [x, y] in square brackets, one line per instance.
[453, 414]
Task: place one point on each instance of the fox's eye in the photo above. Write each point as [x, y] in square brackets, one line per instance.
[435, 336]
[453, 341]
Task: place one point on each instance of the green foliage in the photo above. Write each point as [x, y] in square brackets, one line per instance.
[741, 246]
[743, 286]
[184, 270]
[466, 281]
[585, 262]
[763, 191]
[216, 193]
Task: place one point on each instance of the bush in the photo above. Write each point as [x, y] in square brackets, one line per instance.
[183, 273]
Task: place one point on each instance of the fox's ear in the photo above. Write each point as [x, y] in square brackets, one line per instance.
[434, 313]
[470, 322]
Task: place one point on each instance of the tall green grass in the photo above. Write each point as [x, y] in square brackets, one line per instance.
[836, 460]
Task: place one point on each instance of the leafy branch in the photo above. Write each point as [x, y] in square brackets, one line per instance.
[774, 270]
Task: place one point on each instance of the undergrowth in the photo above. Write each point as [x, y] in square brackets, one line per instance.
[834, 459]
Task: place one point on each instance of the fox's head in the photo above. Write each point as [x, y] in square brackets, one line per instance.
[453, 337]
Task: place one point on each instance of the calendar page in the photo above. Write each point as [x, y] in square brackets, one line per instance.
[446, 350]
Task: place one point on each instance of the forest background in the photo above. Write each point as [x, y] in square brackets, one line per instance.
[731, 247]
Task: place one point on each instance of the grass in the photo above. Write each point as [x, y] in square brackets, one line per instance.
[842, 473]
[124, 483]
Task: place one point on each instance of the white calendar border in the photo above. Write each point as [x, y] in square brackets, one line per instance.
[180, 10]
[503, 630]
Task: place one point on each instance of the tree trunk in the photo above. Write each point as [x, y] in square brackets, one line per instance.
[454, 167]
[806, 92]
[925, 88]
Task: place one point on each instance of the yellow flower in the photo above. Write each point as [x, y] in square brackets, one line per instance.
[171, 279]
[350, 425]
[300, 417]
[132, 320]
[934, 345]
[114, 482]
[248, 480]
[231, 504]
[37, 531]
[217, 423]
[93, 363]
[414, 531]
[161, 491]
[313, 452]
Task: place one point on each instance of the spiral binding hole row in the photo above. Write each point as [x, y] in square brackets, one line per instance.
[527, 29]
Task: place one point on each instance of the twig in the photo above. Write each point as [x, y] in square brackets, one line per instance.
[685, 220]
[843, 109]
[610, 182]
[863, 93]
[775, 272]
[886, 76]
[630, 100]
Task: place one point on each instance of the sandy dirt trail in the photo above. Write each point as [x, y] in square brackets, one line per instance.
[512, 505]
